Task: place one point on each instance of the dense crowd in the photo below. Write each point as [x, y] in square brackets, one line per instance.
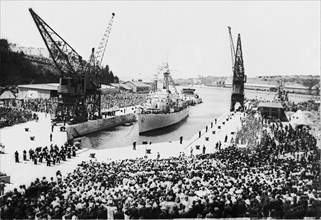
[40, 105]
[303, 106]
[250, 132]
[10, 116]
[279, 178]
[121, 100]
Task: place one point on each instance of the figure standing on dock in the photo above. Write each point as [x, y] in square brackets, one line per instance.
[181, 140]
[199, 134]
[16, 154]
[50, 137]
[24, 155]
[204, 149]
[134, 145]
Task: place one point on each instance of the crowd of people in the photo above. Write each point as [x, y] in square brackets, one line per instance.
[121, 100]
[40, 105]
[279, 177]
[52, 155]
[250, 132]
[303, 106]
[10, 116]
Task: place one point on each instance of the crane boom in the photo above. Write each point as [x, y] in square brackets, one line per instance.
[232, 47]
[66, 59]
[100, 52]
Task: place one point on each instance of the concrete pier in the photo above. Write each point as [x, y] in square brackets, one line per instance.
[25, 171]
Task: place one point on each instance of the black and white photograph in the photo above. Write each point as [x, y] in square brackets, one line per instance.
[160, 109]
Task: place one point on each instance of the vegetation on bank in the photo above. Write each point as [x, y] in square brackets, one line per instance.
[15, 69]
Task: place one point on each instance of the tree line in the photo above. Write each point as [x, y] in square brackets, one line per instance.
[15, 69]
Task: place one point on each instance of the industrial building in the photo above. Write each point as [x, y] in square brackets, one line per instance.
[272, 110]
[34, 91]
[138, 86]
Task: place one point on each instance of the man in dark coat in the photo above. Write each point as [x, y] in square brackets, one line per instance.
[16, 155]
[133, 212]
[24, 155]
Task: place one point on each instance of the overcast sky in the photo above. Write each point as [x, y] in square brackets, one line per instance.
[278, 37]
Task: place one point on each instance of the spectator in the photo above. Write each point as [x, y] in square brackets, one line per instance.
[277, 176]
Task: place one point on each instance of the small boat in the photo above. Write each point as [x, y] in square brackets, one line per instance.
[190, 97]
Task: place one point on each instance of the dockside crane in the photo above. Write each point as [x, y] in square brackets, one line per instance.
[79, 84]
[239, 78]
[97, 56]
[94, 67]
[232, 47]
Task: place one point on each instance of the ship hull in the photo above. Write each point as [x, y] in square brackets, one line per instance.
[149, 122]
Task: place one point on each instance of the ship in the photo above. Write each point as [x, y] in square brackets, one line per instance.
[163, 108]
[190, 97]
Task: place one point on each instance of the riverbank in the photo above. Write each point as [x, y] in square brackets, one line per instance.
[268, 95]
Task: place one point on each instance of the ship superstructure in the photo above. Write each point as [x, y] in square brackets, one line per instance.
[163, 108]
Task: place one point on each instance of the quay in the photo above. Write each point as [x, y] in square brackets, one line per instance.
[24, 172]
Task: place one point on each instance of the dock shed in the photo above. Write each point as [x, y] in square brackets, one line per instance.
[272, 110]
[137, 86]
[32, 91]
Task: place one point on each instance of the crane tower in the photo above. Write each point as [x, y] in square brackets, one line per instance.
[79, 83]
[239, 78]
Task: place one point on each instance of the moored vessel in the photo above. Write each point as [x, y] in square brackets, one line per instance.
[190, 97]
[163, 108]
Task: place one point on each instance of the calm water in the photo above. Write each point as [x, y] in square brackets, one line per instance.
[216, 101]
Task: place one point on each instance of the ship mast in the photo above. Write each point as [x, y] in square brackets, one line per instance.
[168, 79]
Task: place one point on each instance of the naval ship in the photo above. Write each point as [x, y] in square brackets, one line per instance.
[162, 108]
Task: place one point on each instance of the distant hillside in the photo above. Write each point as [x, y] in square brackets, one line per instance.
[15, 69]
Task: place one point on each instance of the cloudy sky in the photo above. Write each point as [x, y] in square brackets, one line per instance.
[278, 37]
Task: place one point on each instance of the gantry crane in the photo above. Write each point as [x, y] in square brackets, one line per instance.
[239, 78]
[79, 84]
